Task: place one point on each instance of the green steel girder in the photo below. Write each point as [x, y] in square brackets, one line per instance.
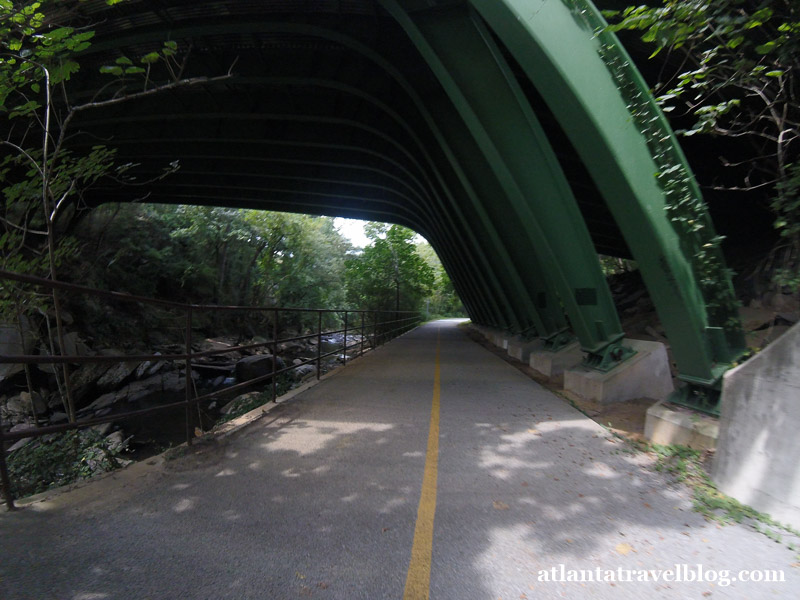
[603, 105]
[408, 111]
[532, 192]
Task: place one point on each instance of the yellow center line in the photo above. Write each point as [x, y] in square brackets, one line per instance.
[418, 580]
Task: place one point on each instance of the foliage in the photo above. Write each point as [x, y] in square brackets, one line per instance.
[58, 459]
[443, 300]
[612, 265]
[730, 70]
[389, 274]
[207, 255]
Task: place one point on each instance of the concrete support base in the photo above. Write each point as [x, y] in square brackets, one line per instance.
[645, 375]
[667, 425]
[521, 349]
[497, 337]
[757, 454]
[552, 364]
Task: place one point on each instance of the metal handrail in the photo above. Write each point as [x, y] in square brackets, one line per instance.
[379, 335]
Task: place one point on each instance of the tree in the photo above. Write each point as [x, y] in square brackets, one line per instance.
[389, 273]
[443, 300]
[730, 68]
[42, 179]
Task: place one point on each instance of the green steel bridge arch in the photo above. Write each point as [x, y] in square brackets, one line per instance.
[515, 135]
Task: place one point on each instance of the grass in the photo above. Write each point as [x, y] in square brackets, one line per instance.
[685, 465]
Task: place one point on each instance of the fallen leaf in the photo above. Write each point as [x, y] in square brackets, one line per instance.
[624, 548]
[500, 505]
[646, 505]
[322, 585]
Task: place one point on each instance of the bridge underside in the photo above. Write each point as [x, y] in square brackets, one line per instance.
[510, 133]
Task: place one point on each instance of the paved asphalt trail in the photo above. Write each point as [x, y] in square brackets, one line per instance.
[319, 498]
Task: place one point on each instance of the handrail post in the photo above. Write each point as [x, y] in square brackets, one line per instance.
[274, 355]
[188, 381]
[344, 352]
[319, 345]
[375, 332]
[362, 334]
[5, 479]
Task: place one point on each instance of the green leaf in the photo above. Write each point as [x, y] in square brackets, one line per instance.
[134, 70]
[111, 70]
[123, 60]
[735, 42]
[767, 48]
[150, 58]
[776, 73]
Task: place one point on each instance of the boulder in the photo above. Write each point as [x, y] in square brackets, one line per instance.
[117, 442]
[303, 371]
[75, 346]
[58, 417]
[172, 382]
[255, 366]
[36, 401]
[117, 374]
[15, 407]
[13, 343]
[784, 303]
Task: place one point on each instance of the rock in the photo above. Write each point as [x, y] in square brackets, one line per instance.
[297, 361]
[36, 401]
[784, 303]
[303, 371]
[105, 401]
[259, 365]
[292, 347]
[20, 443]
[116, 375]
[171, 382]
[13, 343]
[58, 417]
[102, 429]
[117, 441]
[148, 368]
[75, 346]
[14, 406]
[755, 318]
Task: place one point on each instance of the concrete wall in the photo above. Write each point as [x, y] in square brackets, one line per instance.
[758, 452]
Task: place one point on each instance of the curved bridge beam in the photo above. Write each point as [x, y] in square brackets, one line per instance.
[604, 107]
